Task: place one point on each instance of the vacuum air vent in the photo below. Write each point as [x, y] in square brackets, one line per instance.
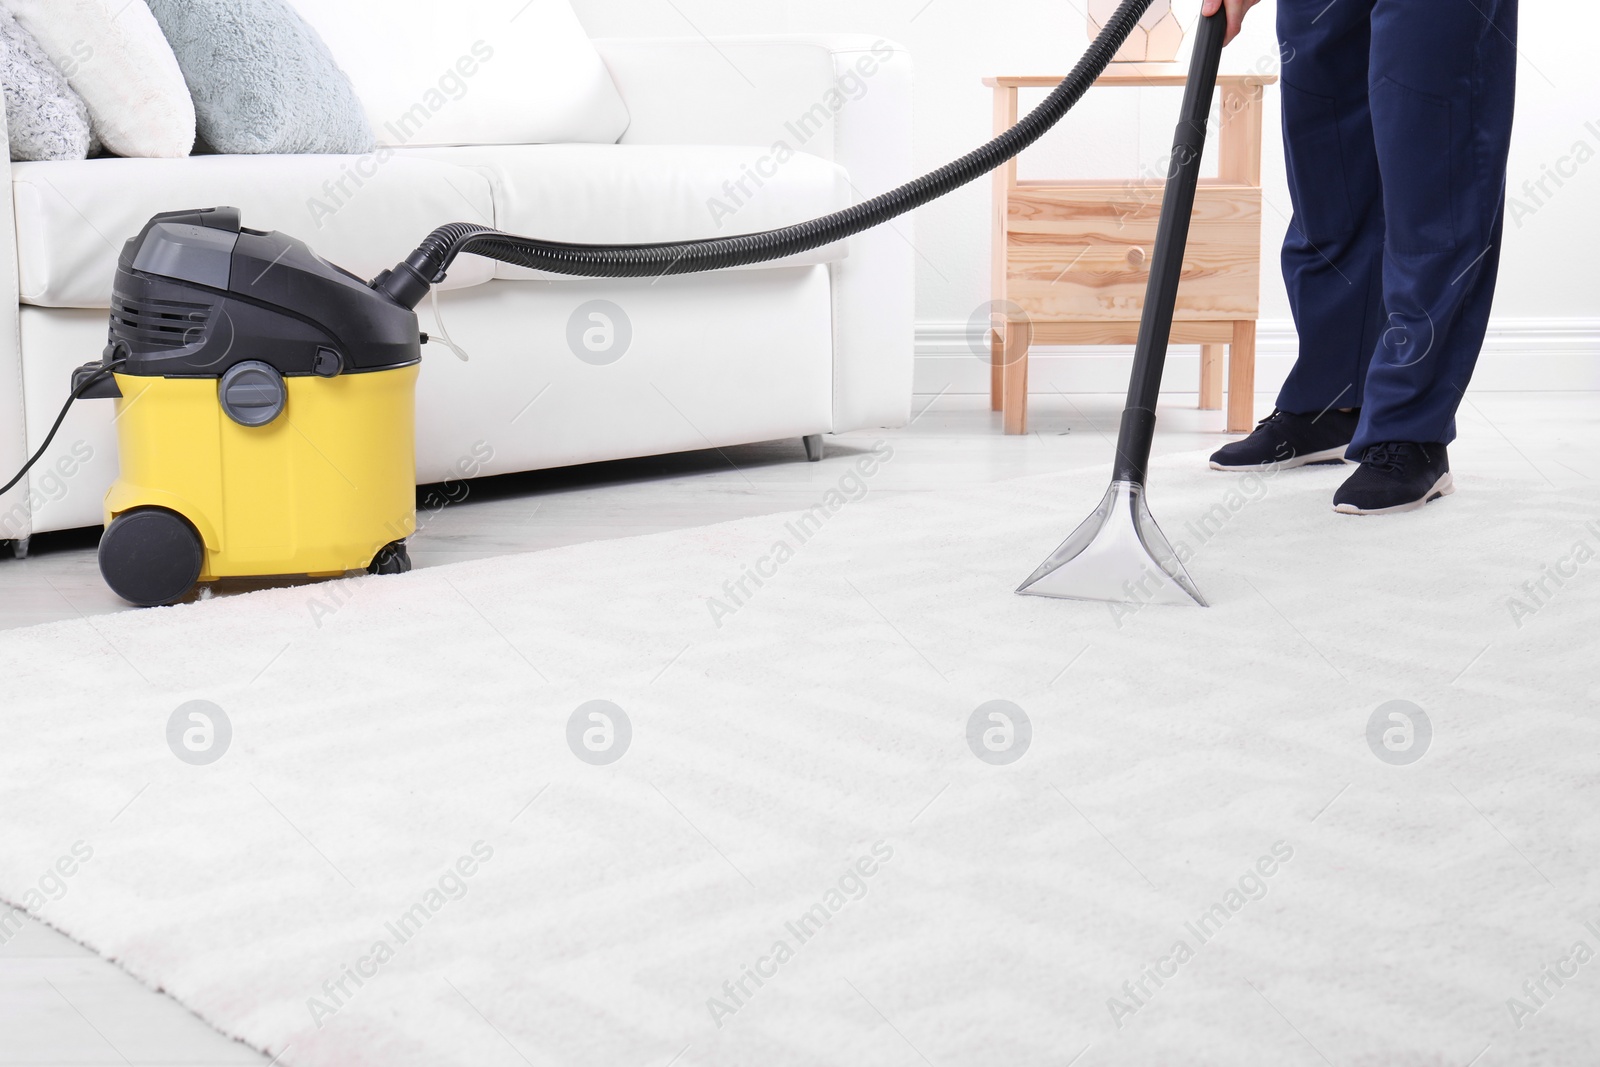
[152, 324]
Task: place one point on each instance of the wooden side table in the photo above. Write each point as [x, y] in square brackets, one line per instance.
[1071, 258]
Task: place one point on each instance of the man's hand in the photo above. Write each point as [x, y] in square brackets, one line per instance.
[1236, 10]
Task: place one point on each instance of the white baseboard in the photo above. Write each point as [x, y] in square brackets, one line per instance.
[1519, 355]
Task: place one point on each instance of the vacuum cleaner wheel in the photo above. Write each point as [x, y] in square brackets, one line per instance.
[392, 558]
[151, 556]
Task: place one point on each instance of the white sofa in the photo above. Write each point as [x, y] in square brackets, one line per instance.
[822, 343]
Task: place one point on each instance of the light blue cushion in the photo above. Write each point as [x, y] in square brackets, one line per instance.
[262, 80]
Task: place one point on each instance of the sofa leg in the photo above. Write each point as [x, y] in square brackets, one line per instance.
[19, 548]
[813, 443]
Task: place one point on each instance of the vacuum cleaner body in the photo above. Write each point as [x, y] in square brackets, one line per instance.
[265, 412]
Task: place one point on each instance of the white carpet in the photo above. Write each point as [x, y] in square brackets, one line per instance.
[374, 746]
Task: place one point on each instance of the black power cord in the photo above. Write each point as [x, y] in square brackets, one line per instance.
[409, 281]
[77, 392]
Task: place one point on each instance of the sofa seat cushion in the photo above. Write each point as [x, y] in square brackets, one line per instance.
[648, 194]
[363, 213]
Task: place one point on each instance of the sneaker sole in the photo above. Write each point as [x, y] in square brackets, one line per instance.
[1327, 455]
[1442, 488]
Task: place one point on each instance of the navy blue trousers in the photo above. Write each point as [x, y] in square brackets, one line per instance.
[1397, 124]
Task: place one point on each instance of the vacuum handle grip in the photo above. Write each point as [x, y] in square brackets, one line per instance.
[1172, 238]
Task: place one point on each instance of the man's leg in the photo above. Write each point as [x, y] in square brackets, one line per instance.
[1333, 254]
[1443, 85]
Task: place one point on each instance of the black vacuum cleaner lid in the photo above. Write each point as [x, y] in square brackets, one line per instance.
[197, 293]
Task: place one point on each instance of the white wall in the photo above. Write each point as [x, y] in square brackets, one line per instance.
[1550, 285]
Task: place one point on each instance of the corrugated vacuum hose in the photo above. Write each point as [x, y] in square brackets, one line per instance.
[410, 281]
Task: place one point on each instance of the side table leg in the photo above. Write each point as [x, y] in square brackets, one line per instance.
[1242, 378]
[997, 361]
[1015, 375]
[1211, 363]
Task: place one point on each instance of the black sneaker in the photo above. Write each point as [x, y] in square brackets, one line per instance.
[1284, 439]
[1395, 476]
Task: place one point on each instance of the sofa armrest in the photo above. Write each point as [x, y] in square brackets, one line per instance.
[846, 98]
[15, 514]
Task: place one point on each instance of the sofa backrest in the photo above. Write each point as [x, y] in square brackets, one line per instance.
[457, 72]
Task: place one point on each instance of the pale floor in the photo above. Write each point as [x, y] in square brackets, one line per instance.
[60, 1004]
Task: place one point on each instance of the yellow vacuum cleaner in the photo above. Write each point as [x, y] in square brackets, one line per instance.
[265, 402]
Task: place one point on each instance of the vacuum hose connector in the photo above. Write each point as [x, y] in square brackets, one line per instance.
[408, 282]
